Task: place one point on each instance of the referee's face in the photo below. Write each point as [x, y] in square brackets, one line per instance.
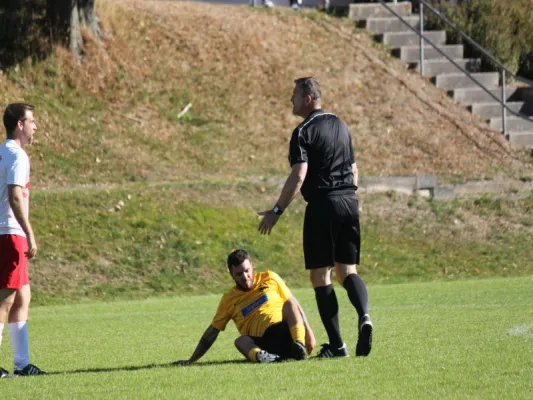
[298, 101]
[243, 275]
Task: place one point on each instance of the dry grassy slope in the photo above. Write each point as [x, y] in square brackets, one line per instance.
[237, 65]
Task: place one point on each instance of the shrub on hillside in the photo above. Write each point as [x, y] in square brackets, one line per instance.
[526, 64]
[22, 32]
[502, 27]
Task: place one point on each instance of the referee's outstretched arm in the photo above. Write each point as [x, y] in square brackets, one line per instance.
[288, 193]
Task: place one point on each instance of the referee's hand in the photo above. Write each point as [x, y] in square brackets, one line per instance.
[267, 223]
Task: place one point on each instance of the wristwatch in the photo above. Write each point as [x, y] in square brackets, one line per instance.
[277, 210]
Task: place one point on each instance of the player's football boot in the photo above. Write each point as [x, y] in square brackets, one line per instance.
[3, 373]
[364, 339]
[29, 370]
[264, 357]
[298, 351]
[328, 351]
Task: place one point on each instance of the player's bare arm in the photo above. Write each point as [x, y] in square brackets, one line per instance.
[16, 201]
[288, 193]
[206, 341]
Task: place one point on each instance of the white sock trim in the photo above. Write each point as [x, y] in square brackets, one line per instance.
[1, 330]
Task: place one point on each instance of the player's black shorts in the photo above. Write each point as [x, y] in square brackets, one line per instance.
[331, 231]
[277, 339]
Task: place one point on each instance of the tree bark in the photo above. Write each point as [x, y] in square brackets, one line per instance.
[67, 17]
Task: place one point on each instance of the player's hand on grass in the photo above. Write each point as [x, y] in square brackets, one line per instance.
[310, 342]
[267, 223]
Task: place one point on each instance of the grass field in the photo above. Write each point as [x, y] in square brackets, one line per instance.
[168, 239]
[461, 340]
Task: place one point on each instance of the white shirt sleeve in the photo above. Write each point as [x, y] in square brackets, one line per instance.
[17, 173]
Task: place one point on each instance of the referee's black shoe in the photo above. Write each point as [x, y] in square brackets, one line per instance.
[327, 351]
[364, 339]
[3, 373]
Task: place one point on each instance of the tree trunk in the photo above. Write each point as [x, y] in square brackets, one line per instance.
[66, 17]
[30, 28]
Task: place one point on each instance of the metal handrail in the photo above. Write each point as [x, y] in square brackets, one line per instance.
[423, 38]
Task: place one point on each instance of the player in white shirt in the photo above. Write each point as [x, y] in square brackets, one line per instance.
[17, 241]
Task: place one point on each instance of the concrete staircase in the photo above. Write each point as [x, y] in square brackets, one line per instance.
[405, 45]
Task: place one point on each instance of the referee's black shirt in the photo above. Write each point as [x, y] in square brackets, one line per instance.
[324, 142]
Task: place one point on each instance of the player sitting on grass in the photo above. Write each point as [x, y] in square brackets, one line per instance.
[271, 322]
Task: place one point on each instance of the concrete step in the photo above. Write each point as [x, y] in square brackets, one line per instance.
[521, 139]
[470, 96]
[514, 124]
[459, 80]
[364, 11]
[443, 66]
[399, 39]
[387, 24]
[412, 53]
[494, 109]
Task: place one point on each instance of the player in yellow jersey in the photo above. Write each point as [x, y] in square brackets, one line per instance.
[271, 322]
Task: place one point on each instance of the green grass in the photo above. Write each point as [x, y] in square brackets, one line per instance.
[166, 239]
[460, 340]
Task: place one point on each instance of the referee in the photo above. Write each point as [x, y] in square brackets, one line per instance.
[323, 168]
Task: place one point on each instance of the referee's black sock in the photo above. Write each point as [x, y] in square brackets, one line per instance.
[357, 293]
[328, 308]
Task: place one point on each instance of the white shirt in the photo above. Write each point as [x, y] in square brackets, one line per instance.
[14, 170]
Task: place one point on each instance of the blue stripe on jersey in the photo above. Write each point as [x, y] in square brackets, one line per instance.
[256, 303]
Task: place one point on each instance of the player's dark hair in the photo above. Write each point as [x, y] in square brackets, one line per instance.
[237, 257]
[14, 113]
[309, 87]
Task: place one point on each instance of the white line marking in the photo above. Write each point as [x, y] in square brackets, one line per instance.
[522, 330]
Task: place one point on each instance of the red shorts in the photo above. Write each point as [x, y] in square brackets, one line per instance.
[13, 262]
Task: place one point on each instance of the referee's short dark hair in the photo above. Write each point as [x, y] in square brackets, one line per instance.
[309, 87]
[237, 257]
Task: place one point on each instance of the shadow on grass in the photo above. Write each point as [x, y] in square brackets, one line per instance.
[149, 366]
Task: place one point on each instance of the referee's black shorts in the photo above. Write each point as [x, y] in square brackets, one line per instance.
[277, 339]
[331, 231]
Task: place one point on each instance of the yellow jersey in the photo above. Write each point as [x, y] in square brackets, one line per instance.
[255, 310]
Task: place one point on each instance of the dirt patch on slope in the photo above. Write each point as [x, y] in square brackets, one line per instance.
[236, 65]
